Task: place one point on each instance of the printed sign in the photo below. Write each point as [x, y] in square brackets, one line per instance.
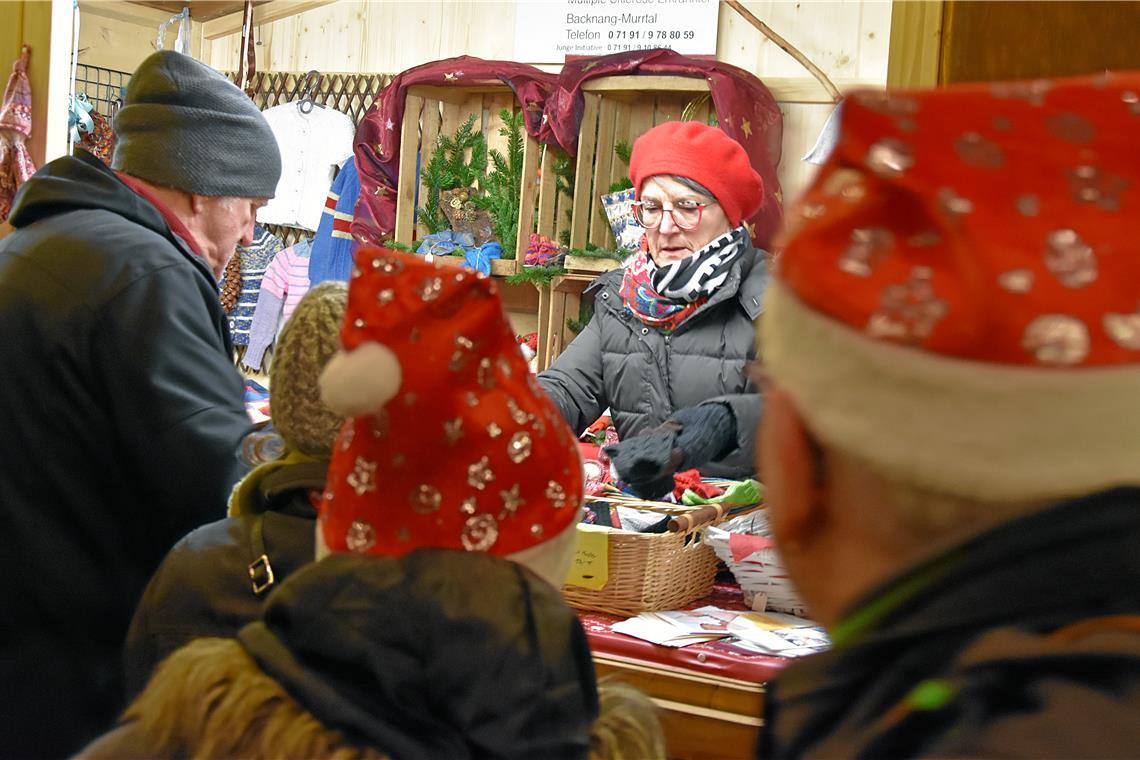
[546, 32]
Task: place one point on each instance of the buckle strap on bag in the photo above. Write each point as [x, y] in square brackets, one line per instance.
[260, 571]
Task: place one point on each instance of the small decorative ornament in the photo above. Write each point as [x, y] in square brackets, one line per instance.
[1028, 205]
[1057, 339]
[485, 375]
[504, 366]
[453, 430]
[890, 157]
[360, 537]
[430, 288]
[425, 499]
[347, 433]
[1016, 280]
[519, 447]
[479, 474]
[494, 430]
[1089, 185]
[518, 415]
[840, 181]
[1070, 258]
[362, 479]
[388, 264]
[812, 210]
[556, 493]
[467, 506]
[462, 353]
[539, 426]
[511, 501]
[867, 245]
[909, 311]
[954, 204]
[975, 150]
[1031, 92]
[472, 399]
[479, 533]
[1071, 127]
[536, 530]
[358, 323]
[385, 296]
[1124, 329]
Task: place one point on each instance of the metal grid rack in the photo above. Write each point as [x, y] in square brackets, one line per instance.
[105, 88]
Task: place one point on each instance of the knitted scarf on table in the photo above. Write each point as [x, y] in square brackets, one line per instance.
[665, 296]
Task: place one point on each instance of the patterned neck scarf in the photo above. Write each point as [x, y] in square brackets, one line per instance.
[665, 296]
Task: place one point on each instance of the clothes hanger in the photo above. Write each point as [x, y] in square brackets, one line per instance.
[308, 88]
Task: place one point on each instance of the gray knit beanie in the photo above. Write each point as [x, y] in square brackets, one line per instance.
[183, 125]
[308, 340]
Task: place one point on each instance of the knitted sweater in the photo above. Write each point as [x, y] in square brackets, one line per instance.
[285, 281]
[255, 260]
[334, 245]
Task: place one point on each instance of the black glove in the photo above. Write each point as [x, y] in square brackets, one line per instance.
[690, 438]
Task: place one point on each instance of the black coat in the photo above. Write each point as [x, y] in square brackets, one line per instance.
[204, 586]
[1022, 642]
[120, 419]
[644, 375]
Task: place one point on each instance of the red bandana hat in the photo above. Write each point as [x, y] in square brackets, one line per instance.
[958, 293]
[450, 443]
[702, 153]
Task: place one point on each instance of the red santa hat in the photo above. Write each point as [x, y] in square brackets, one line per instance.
[449, 441]
[957, 296]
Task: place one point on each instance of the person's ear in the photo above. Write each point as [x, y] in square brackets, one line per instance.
[793, 471]
[198, 203]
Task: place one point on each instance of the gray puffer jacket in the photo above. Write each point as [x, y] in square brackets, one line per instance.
[644, 376]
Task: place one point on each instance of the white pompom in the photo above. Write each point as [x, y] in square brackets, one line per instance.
[361, 381]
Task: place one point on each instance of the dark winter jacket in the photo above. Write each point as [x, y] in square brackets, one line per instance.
[213, 581]
[1024, 642]
[644, 375]
[120, 420]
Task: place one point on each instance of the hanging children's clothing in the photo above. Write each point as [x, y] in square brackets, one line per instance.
[285, 281]
[312, 145]
[255, 260]
[100, 141]
[16, 165]
[333, 245]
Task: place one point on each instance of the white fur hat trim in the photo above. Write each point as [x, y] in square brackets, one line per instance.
[361, 381]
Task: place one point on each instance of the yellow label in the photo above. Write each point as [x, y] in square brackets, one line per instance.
[591, 567]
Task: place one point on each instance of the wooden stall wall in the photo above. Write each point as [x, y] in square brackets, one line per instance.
[46, 28]
[848, 39]
[120, 35]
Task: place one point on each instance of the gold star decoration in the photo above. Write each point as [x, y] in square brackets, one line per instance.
[746, 128]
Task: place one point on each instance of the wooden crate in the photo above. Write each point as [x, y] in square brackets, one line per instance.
[616, 109]
[430, 111]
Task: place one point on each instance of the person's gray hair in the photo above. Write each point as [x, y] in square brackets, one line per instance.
[695, 186]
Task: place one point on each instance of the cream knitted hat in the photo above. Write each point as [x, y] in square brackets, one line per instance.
[309, 339]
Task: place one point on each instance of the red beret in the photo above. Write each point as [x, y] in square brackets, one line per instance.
[704, 154]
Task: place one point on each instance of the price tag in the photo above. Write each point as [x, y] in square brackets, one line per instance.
[591, 566]
[546, 32]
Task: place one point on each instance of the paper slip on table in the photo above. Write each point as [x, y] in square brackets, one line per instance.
[711, 695]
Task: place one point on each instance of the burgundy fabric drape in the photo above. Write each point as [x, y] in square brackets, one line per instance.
[552, 105]
[745, 110]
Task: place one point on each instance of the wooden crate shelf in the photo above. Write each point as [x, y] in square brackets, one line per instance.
[430, 111]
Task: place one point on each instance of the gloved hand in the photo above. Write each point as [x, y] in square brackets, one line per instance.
[690, 438]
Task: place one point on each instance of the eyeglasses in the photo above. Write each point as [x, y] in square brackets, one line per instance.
[686, 214]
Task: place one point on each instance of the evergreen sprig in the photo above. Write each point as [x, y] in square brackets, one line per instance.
[458, 161]
[535, 275]
[503, 183]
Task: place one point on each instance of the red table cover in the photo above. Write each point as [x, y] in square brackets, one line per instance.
[720, 658]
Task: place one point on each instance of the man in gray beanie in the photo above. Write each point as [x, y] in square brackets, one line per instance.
[121, 410]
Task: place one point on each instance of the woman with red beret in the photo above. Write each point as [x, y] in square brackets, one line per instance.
[672, 333]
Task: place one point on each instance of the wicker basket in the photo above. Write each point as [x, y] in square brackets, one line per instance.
[760, 572]
[649, 571]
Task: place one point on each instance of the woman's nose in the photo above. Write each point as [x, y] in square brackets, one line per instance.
[667, 226]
